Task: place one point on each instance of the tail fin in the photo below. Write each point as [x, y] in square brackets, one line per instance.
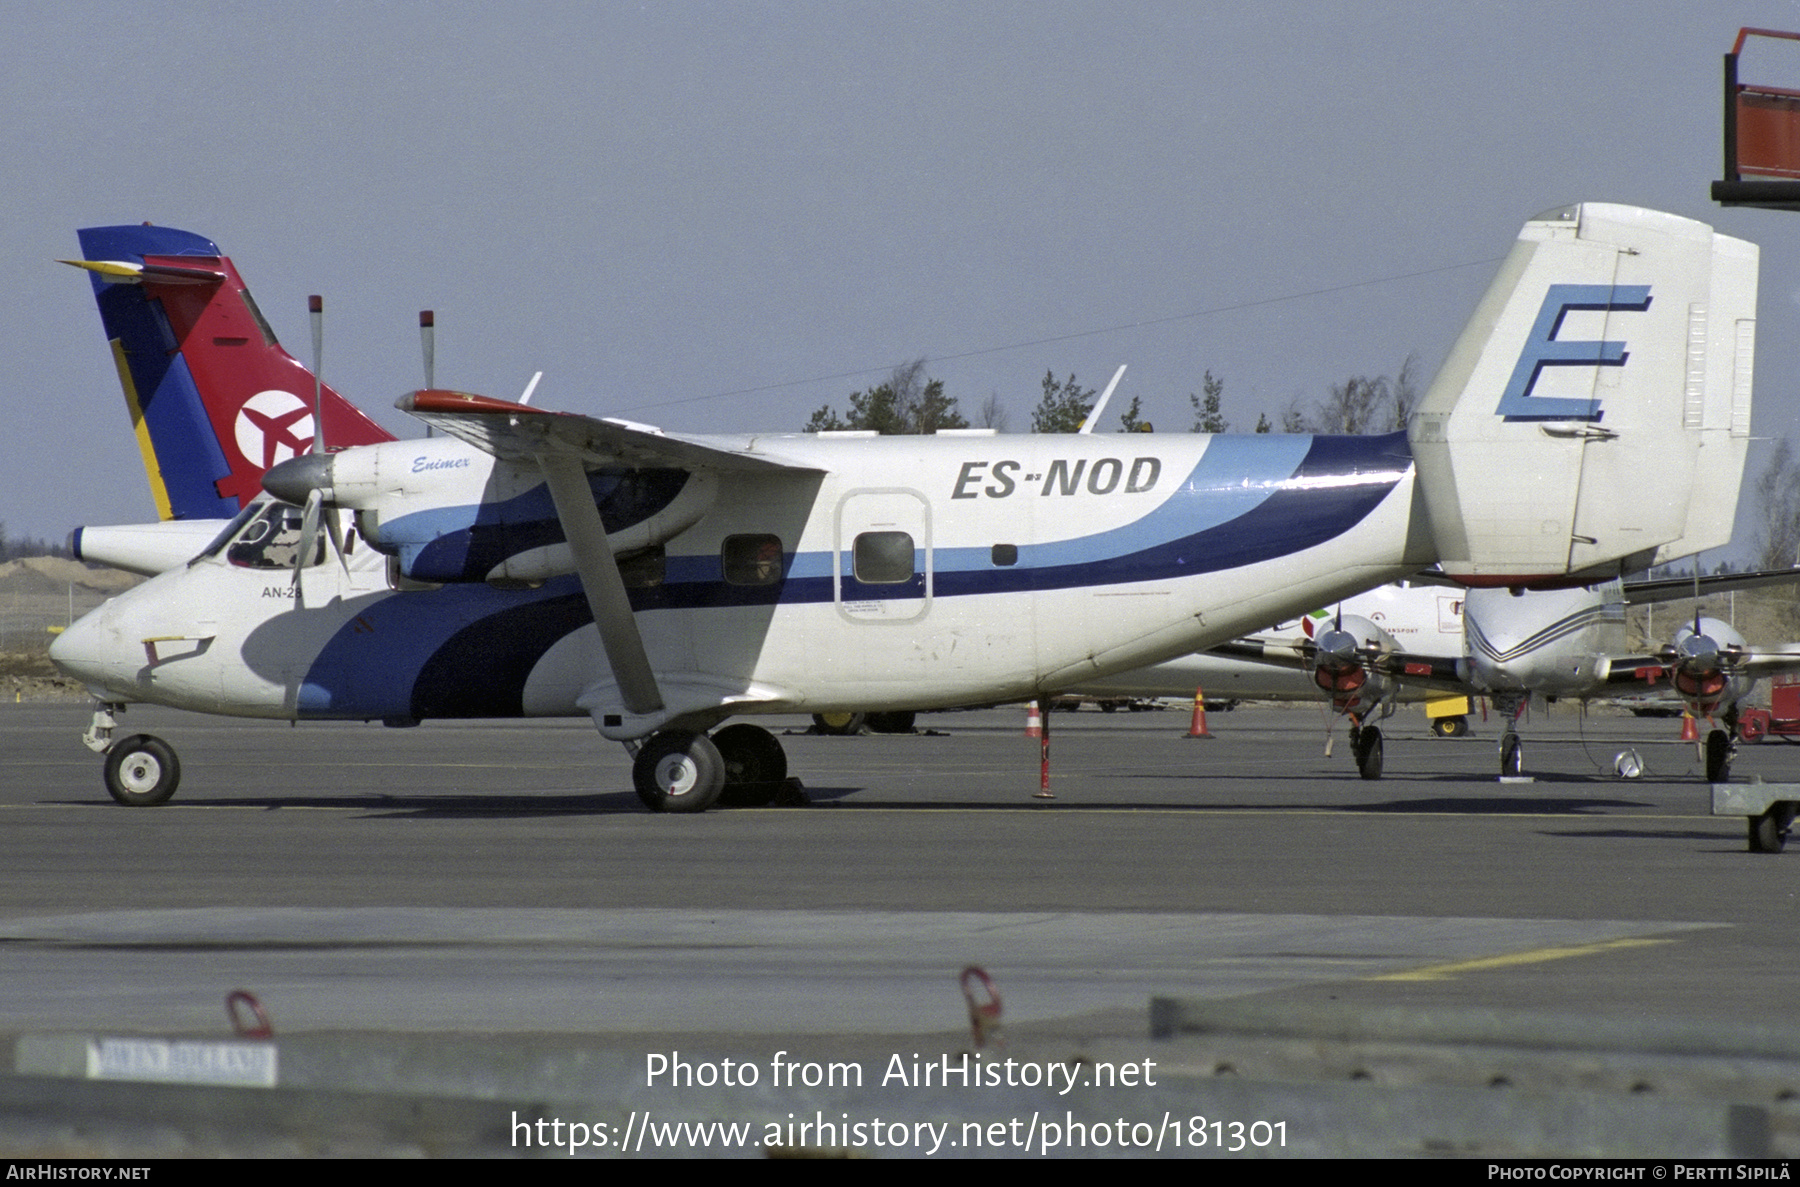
[1593, 418]
[214, 399]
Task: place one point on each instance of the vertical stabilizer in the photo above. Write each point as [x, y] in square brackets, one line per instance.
[213, 397]
[1593, 417]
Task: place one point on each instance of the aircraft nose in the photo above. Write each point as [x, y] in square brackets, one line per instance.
[80, 651]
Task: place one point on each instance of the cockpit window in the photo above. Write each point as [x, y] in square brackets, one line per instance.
[272, 538]
[230, 530]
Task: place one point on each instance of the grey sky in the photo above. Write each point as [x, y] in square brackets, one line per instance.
[658, 204]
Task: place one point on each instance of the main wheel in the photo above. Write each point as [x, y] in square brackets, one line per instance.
[1768, 832]
[1368, 754]
[895, 722]
[142, 771]
[755, 765]
[1718, 756]
[678, 771]
[1512, 755]
[837, 724]
[1450, 727]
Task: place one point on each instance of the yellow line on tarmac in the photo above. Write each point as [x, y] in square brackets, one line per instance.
[1443, 972]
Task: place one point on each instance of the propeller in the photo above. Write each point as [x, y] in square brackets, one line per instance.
[315, 305]
[1336, 649]
[428, 344]
[314, 504]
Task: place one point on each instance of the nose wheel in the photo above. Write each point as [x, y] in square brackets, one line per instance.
[1512, 755]
[142, 771]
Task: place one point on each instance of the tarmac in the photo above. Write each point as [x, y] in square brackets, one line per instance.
[1227, 946]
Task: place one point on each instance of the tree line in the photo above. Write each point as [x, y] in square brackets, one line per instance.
[14, 547]
[912, 402]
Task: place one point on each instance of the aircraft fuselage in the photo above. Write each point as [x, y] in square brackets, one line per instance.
[900, 573]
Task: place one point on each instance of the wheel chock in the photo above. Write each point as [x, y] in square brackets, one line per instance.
[984, 1006]
[257, 1026]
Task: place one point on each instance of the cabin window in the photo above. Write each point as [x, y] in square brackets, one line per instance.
[1006, 554]
[751, 559]
[883, 558]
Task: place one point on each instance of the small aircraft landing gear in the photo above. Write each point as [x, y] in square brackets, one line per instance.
[678, 771]
[1365, 746]
[839, 724]
[755, 765]
[1768, 832]
[1512, 755]
[1719, 751]
[142, 771]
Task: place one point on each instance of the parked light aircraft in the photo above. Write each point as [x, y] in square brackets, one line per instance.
[540, 563]
[1413, 641]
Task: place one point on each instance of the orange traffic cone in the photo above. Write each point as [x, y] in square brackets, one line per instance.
[1197, 728]
[1689, 731]
[1034, 725]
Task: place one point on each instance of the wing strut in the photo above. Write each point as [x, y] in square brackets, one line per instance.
[600, 580]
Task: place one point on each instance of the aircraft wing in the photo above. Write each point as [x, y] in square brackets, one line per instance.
[519, 433]
[1755, 663]
[1671, 589]
[1420, 671]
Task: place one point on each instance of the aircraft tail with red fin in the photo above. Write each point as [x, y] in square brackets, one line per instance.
[214, 399]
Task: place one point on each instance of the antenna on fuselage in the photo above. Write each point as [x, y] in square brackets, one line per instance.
[1093, 417]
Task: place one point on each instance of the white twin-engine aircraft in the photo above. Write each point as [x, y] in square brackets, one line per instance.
[540, 563]
[1416, 641]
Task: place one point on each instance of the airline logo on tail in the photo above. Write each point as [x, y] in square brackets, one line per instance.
[213, 397]
[1544, 349]
[273, 426]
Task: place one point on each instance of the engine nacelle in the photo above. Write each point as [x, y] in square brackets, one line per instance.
[1702, 667]
[1343, 665]
[448, 513]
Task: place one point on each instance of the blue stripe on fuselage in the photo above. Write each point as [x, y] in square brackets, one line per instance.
[467, 650]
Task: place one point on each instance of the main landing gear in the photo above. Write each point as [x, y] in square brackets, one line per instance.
[740, 766]
[1721, 748]
[842, 724]
[1365, 747]
[1719, 752]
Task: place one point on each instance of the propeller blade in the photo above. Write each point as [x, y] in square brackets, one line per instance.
[309, 534]
[315, 305]
[334, 532]
[428, 343]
